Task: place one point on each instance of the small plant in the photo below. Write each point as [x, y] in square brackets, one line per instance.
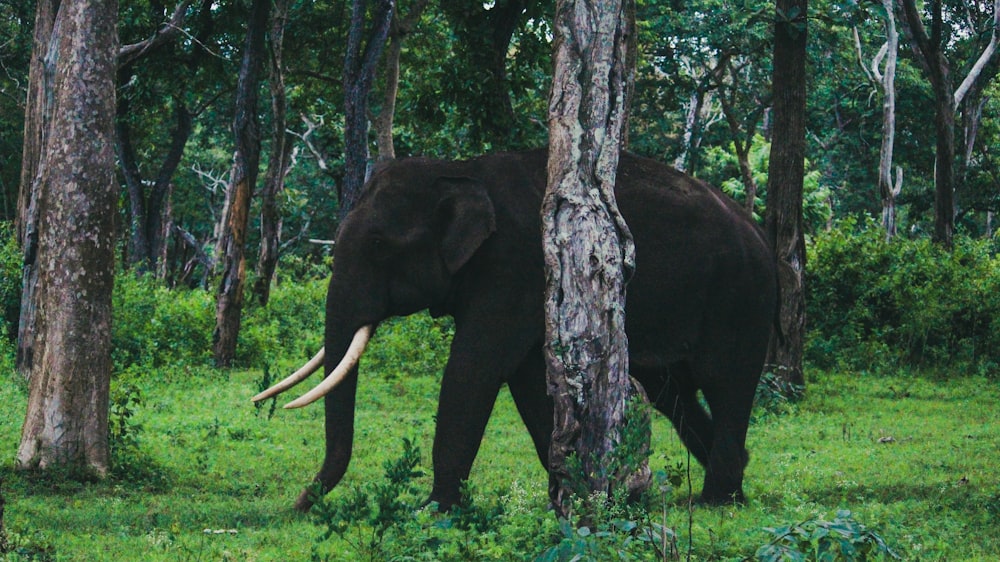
[263, 384]
[126, 399]
[363, 518]
[774, 396]
[842, 539]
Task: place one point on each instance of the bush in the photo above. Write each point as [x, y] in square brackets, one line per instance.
[155, 326]
[290, 325]
[901, 303]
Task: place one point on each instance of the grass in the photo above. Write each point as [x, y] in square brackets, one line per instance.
[913, 458]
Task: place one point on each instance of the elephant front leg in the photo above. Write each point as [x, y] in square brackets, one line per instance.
[480, 362]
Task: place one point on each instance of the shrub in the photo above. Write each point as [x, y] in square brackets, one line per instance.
[155, 326]
[842, 539]
[290, 325]
[901, 303]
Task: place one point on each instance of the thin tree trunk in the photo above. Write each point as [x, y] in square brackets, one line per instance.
[38, 111]
[888, 189]
[359, 73]
[929, 51]
[66, 424]
[277, 166]
[232, 243]
[588, 249]
[383, 122]
[783, 217]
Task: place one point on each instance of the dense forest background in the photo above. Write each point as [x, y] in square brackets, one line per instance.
[701, 99]
[474, 78]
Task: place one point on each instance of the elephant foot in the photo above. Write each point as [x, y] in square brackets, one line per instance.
[307, 498]
[716, 497]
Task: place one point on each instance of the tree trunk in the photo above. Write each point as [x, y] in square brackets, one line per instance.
[783, 217]
[589, 253]
[66, 424]
[36, 116]
[399, 29]
[888, 189]
[359, 73]
[277, 166]
[246, 131]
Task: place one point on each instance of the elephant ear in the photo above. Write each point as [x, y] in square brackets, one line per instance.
[466, 218]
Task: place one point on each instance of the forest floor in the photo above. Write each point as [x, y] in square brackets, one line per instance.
[207, 476]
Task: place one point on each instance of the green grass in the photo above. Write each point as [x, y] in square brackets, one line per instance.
[914, 459]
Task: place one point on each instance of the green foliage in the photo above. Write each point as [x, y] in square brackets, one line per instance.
[840, 540]
[775, 396]
[10, 279]
[901, 303]
[722, 164]
[155, 326]
[286, 326]
[411, 346]
[384, 519]
[367, 513]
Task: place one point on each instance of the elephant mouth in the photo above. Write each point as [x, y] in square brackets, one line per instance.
[336, 376]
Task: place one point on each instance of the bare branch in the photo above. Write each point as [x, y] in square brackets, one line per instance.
[128, 54]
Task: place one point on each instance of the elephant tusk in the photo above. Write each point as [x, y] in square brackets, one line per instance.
[339, 373]
[295, 378]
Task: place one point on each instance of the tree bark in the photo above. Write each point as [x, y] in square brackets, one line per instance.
[277, 166]
[66, 424]
[37, 114]
[588, 250]
[929, 53]
[398, 31]
[232, 242]
[359, 73]
[783, 217]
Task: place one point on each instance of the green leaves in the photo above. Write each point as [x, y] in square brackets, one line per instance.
[842, 539]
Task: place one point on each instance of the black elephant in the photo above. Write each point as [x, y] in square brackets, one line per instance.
[463, 238]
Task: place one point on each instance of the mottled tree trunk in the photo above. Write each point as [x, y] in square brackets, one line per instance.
[66, 424]
[277, 166]
[232, 242]
[783, 217]
[40, 77]
[359, 73]
[588, 249]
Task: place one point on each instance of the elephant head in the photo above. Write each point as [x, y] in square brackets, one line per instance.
[397, 252]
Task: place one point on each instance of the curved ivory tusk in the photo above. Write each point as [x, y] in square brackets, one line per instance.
[295, 378]
[349, 361]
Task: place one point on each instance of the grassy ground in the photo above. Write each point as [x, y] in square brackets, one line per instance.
[913, 459]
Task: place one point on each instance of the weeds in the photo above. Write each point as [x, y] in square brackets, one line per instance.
[840, 540]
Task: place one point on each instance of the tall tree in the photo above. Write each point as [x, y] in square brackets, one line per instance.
[66, 424]
[486, 31]
[400, 28]
[35, 128]
[930, 50]
[885, 79]
[588, 249]
[148, 200]
[243, 177]
[786, 174]
[359, 73]
[278, 161]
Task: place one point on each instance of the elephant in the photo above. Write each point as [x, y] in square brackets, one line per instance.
[463, 238]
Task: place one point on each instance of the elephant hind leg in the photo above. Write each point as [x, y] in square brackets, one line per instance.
[730, 402]
[671, 392]
[528, 388]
